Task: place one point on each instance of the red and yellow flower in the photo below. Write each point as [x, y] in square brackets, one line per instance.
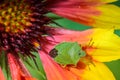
[95, 13]
[100, 45]
[24, 28]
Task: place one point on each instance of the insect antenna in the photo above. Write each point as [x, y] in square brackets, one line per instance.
[90, 44]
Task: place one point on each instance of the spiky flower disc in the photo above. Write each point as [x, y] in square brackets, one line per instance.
[22, 24]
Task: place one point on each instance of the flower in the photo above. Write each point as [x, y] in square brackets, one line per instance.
[100, 45]
[26, 23]
[95, 13]
[24, 28]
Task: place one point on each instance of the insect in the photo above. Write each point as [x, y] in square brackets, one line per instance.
[67, 53]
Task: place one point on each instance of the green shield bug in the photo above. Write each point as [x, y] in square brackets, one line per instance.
[67, 53]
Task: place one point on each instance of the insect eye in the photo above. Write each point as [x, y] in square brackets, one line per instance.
[53, 53]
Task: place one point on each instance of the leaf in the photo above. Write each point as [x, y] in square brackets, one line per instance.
[34, 65]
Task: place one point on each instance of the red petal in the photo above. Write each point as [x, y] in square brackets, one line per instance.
[81, 11]
[16, 70]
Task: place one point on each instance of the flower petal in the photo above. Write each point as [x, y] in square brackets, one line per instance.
[62, 35]
[57, 3]
[90, 12]
[1, 75]
[17, 72]
[97, 71]
[105, 45]
[53, 70]
[108, 1]
[102, 44]
[109, 17]
[94, 71]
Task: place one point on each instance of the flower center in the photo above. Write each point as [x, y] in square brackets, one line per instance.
[22, 24]
[87, 60]
[17, 15]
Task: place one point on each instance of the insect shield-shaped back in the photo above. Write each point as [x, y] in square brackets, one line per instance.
[67, 53]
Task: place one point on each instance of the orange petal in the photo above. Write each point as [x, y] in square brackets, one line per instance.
[54, 71]
[1, 75]
[29, 78]
[94, 70]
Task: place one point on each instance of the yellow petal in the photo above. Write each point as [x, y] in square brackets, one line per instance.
[97, 71]
[106, 45]
[109, 17]
[107, 1]
[93, 71]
